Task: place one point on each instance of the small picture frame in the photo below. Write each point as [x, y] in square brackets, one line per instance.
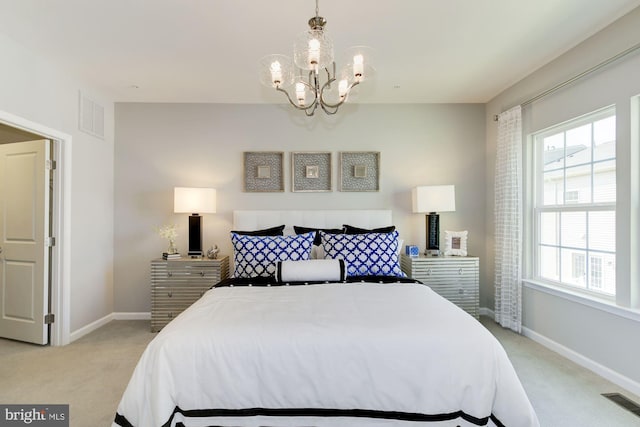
[263, 171]
[455, 243]
[311, 171]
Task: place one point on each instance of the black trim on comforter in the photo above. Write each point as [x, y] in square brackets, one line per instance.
[320, 412]
[271, 281]
[121, 420]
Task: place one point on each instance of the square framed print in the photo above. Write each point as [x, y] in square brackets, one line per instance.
[455, 243]
[359, 171]
[311, 171]
[263, 171]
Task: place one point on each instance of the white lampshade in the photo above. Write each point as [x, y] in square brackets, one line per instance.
[434, 198]
[194, 200]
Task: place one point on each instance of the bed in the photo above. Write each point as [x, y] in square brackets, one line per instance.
[323, 342]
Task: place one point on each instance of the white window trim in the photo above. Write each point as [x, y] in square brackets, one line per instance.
[530, 215]
[568, 294]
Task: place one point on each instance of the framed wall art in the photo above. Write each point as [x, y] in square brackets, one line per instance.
[311, 171]
[263, 171]
[359, 171]
[455, 243]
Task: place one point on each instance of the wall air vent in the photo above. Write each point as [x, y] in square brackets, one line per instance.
[91, 118]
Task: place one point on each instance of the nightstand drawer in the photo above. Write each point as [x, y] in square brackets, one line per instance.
[454, 278]
[176, 294]
[184, 274]
[177, 284]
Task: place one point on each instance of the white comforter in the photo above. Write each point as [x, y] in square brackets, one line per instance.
[326, 355]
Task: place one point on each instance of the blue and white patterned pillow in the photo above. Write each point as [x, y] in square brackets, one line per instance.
[365, 254]
[256, 256]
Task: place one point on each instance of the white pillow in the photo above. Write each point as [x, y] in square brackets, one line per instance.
[315, 270]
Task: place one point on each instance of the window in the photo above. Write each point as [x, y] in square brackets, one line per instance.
[596, 272]
[575, 203]
[572, 196]
[578, 265]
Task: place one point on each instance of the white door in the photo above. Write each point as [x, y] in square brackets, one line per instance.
[24, 256]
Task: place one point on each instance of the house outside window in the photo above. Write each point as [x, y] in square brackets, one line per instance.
[578, 266]
[595, 265]
[574, 204]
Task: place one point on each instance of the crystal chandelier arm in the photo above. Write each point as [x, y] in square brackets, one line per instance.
[338, 104]
[330, 77]
[299, 107]
[328, 110]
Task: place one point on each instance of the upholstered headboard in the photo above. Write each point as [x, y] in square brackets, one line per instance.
[259, 219]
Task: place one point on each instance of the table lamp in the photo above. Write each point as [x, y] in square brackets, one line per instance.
[194, 201]
[430, 200]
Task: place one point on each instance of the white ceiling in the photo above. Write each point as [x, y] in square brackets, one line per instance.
[427, 51]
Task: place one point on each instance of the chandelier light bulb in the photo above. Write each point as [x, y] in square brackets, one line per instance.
[314, 53]
[300, 93]
[276, 73]
[343, 87]
[358, 67]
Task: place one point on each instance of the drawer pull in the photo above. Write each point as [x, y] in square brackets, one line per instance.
[460, 271]
[169, 294]
[461, 291]
[428, 272]
[170, 315]
[182, 273]
[202, 274]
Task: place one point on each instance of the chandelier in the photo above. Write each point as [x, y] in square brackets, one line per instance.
[311, 75]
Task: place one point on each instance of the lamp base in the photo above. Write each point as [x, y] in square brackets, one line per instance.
[433, 234]
[195, 236]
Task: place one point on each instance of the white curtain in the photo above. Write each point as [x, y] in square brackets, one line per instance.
[508, 220]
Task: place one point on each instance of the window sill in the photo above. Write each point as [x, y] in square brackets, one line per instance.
[598, 304]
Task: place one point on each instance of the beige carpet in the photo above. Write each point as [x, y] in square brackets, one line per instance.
[91, 374]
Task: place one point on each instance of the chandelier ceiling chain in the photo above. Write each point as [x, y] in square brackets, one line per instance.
[312, 52]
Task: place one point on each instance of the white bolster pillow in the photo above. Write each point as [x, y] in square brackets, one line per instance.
[313, 270]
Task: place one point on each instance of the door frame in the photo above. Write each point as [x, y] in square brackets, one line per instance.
[60, 264]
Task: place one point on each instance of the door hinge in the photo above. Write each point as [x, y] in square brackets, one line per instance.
[50, 241]
[50, 164]
[49, 318]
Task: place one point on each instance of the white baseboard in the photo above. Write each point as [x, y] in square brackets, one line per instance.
[585, 362]
[90, 328]
[595, 367]
[131, 316]
[106, 319]
[487, 312]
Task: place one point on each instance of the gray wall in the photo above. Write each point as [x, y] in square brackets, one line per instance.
[37, 91]
[597, 335]
[160, 146]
